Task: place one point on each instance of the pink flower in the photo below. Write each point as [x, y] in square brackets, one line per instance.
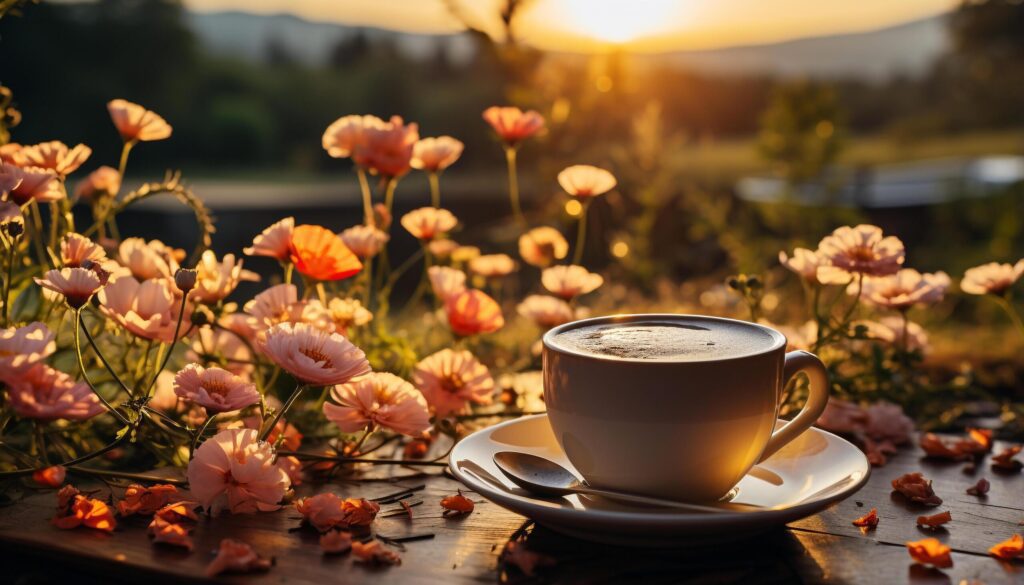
[313, 356]
[135, 123]
[347, 313]
[275, 241]
[904, 289]
[292, 467]
[75, 249]
[237, 557]
[216, 280]
[858, 250]
[149, 310]
[347, 134]
[46, 394]
[280, 304]
[434, 155]
[492, 265]
[446, 282]
[77, 285]
[427, 223]
[103, 182]
[471, 312]
[842, 416]
[55, 156]
[386, 149]
[449, 380]
[545, 311]
[442, 248]
[147, 260]
[512, 124]
[215, 389]
[803, 262]
[379, 399]
[33, 183]
[570, 281]
[541, 246]
[365, 241]
[890, 330]
[234, 469]
[585, 181]
[23, 347]
[992, 278]
[10, 213]
[10, 153]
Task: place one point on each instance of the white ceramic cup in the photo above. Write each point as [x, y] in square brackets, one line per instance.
[685, 430]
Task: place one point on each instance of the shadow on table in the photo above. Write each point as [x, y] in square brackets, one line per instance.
[538, 555]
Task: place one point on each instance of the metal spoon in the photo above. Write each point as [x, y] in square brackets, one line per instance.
[543, 476]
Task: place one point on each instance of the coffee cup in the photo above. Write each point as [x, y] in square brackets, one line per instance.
[673, 406]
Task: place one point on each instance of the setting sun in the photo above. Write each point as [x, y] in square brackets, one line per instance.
[616, 22]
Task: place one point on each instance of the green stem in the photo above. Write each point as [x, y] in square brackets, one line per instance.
[96, 348]
[199, 435]
[581, 235]
[170, 348]
[1007, 306]
[513, 185]
[123, 164]
[389, 194]
[85, 376]
[7, 284]
[287, 405]
[435, 189]
[364, 187]
[69, 463]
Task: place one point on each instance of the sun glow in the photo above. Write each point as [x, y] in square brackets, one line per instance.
[614, 22]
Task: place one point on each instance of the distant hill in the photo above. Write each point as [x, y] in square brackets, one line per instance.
[906, 48]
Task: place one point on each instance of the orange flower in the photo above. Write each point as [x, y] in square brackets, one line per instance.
[103, 182]
[586, 181]
[457, 504]
[512, 124]
[980, 488]
[78, 510]
[386, 149]
[374, 553]
[916, 488]
[335, 542]
[858, 250]
[55, 156]
[135, 123]
[472, 311]
[52, 476]
[869, 520]
[427, 223]
[935, 520]
[236, 557]
[930, 552]
[1005, 461]
[1012, 548]
[434, 155]
[541, 246]
[320, 254]
[146, 501]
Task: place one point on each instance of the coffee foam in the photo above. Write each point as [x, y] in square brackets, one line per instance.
[667, 340]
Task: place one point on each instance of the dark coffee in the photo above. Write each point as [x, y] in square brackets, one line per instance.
[666, 339]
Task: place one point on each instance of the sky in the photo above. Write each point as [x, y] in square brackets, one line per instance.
[598, 25]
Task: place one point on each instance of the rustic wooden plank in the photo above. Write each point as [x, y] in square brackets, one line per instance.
[825, 548]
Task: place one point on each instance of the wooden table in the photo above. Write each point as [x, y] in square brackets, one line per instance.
[824, 548]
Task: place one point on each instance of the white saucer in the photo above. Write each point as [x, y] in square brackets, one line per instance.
[804, 477]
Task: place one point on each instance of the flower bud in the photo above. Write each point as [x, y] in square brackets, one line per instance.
[14, 228]
[185, 279]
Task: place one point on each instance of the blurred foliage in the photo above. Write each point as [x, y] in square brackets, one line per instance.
[802, 130]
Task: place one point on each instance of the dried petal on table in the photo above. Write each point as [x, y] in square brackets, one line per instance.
[170, 533]
[1012, 548]
[457, 504]
[1004, 460]
[869, 520]
[52, 476]
[145, 501]
[916, 488]
[335, 542]
[374, 553]
[934, 446]
[930, 552]
[237, 557]
[83, 511]
[935, 520]
[979, 489]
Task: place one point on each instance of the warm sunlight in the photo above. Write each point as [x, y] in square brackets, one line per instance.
[614, 21]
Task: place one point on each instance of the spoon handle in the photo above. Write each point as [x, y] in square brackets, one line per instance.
[726, 507]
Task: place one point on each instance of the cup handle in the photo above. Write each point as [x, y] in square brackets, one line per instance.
[801, 361]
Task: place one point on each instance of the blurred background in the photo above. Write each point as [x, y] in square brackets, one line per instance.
[736, 128]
